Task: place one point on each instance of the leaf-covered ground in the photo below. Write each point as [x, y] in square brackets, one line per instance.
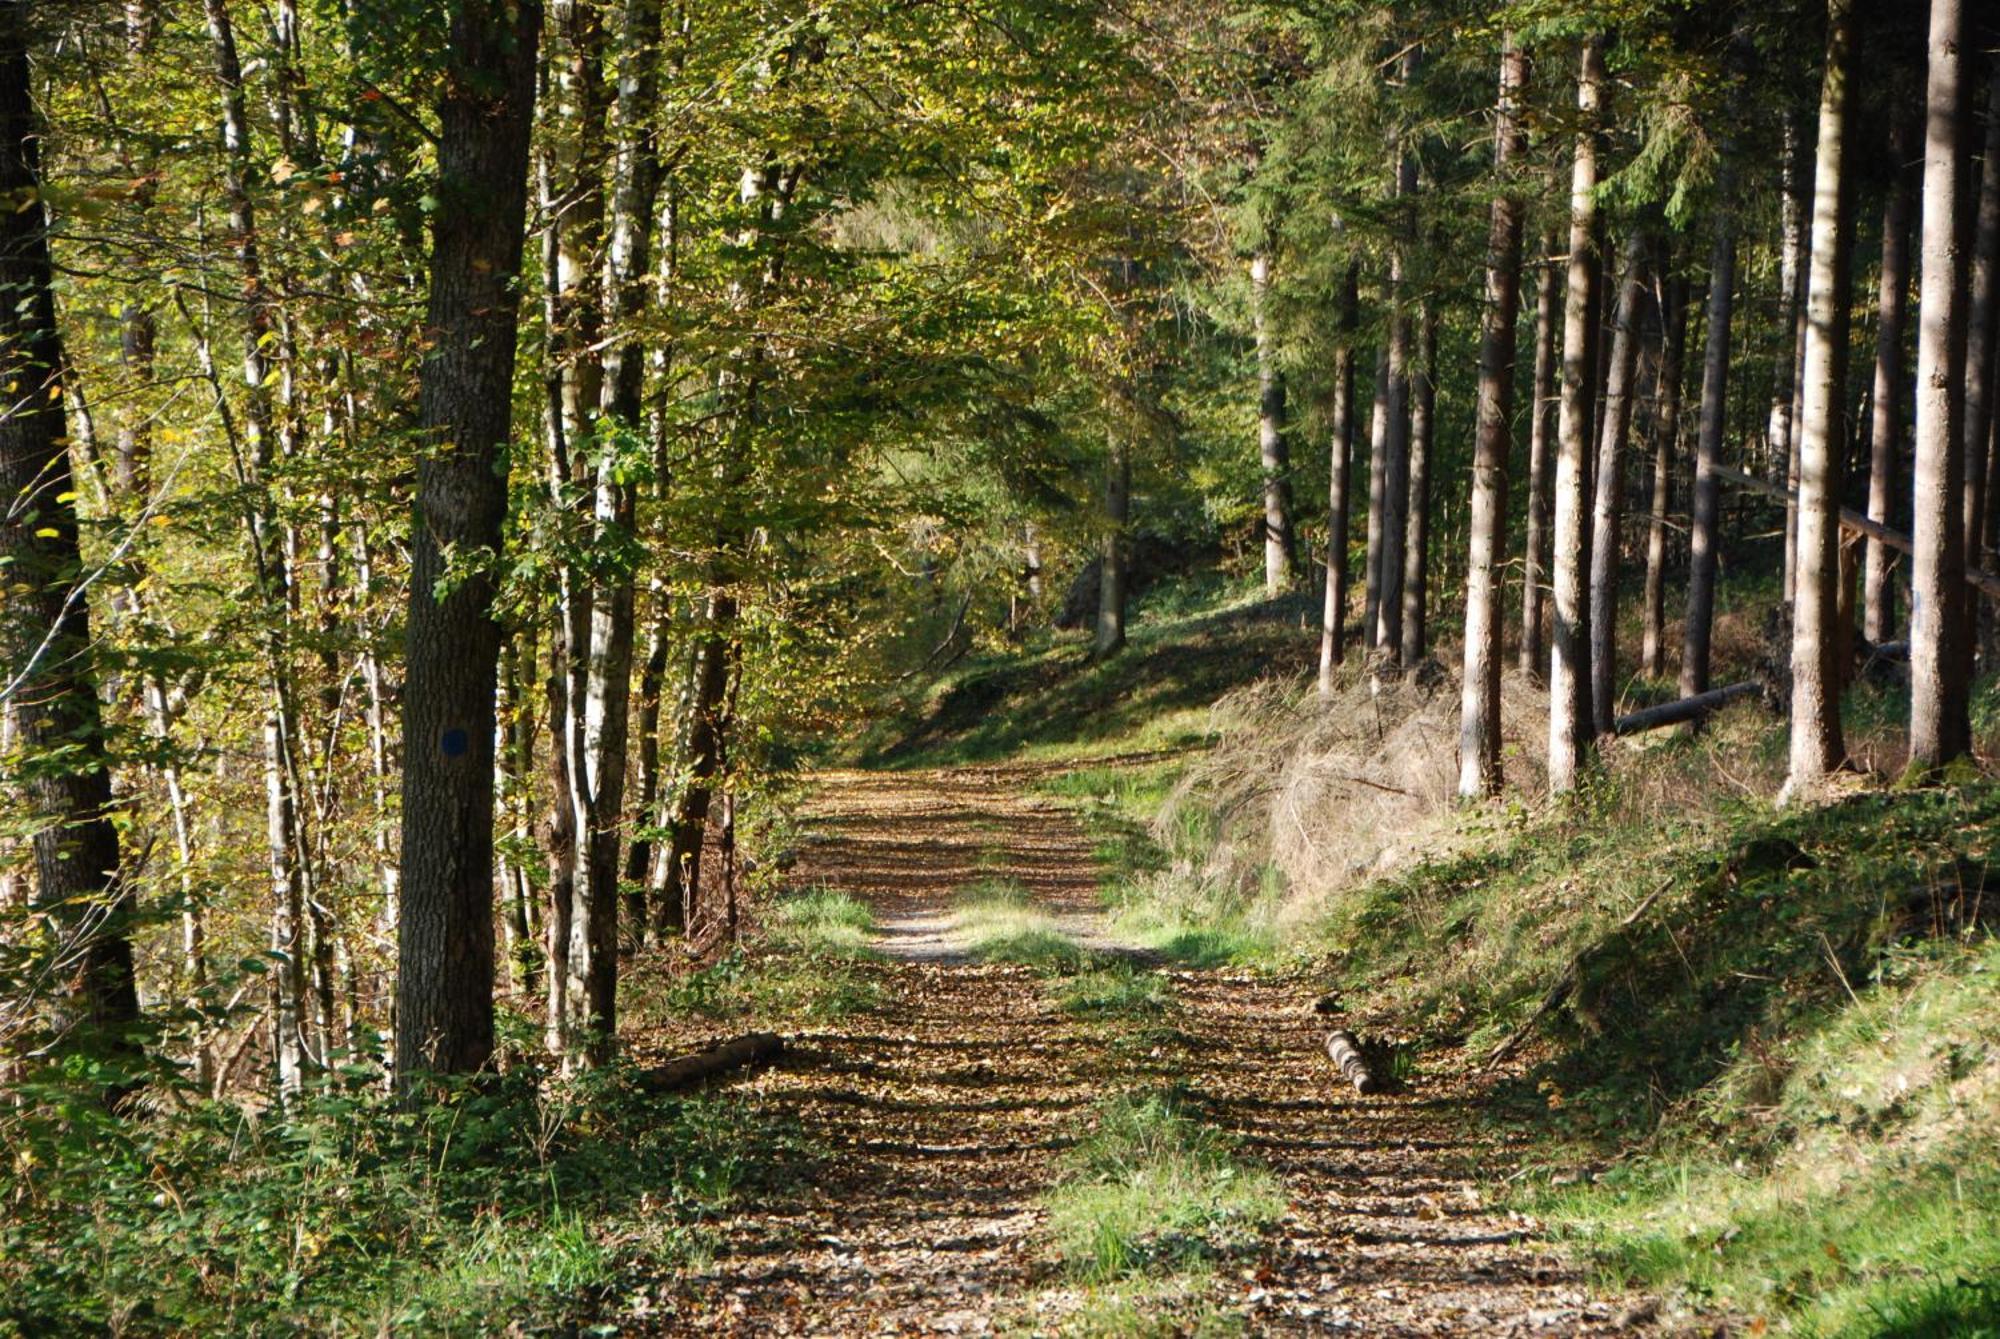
[950, 1108]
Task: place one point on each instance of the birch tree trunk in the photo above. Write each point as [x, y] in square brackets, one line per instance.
[1479, 702]
[444, 977]
[1817, 746]
[1940, 721]
[1570, 716]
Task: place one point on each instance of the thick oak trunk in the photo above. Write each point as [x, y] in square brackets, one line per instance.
[444, 979]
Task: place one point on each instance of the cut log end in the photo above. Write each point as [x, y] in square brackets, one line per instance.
[1345, 1052]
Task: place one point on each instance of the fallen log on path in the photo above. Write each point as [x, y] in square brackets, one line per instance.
[1345, 1052]
[752, 1048]
[1683, 709]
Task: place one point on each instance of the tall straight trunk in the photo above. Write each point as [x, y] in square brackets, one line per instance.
[1378, 452]
[1111, 581]
[444, 947]
[45, 643]
[1333, 619]
[1608, 498]
[645, 808]
[1940, 720]
[1479, 701]
[1416, 541]
[1570, 741]
[1885, 430]
[1705, 502]
[1535, 549]
[1982, 323]
[1817, 745]
[1666, 438]
[1396, 449]
[1793, 178]
[1272, 452]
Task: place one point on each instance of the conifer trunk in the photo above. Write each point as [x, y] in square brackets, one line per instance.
[1570, 717]
[1817, 746]
[1608, 497]
[1666, 439]
[1885, 431]
[1272, 453]
[1535, 549]
[1479, 702]
[1333, 619]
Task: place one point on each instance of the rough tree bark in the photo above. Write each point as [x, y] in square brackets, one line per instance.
[444, 977]
[1333, 618]
[1878, 600]
[1817, 745]
[1535, 551]
[1479, 701]
[1274, 457]
[1666, 438]
[1416, 529]
[1780, 439]
[1608, 496]
[1378, 449]
[1940, 721]
[1569, 664]
[1396, 440]
[45, 622]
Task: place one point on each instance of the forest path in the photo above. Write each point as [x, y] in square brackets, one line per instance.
[946, 1110]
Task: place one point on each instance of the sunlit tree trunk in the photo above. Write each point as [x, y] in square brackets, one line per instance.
[1817, 745]
[1479, 704]
[1272, 452]
[1794, 176]
[1378, 450]
[1940, 721]
[1569, 666]
[1111, 582]
[444, 978]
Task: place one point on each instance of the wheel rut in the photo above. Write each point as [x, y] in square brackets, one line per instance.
[946, 1109]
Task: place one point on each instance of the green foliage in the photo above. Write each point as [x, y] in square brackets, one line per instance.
[1151, 1189]
[508, 1195]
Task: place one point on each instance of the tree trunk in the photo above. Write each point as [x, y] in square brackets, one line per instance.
[444, 978]
[1111, 581]
[1479, 702]
[1817, 746]
[1378, 457]
[1778, 433]
[1885, 464]
[1608, 500]
[1535, 551]
[1982, 314]
[1333, 619]
[1396, 442]
[708, 738]
[1666, 437]
[1705, 503]
[1569, 666]
[1416, 530]
[45, 644]
[1940, 721]
[1273, 455]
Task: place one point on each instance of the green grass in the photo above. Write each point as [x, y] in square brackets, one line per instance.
[1000, 923]
[1116, 990]
[346, 1213]
[814, 964]
[1151, 1189]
